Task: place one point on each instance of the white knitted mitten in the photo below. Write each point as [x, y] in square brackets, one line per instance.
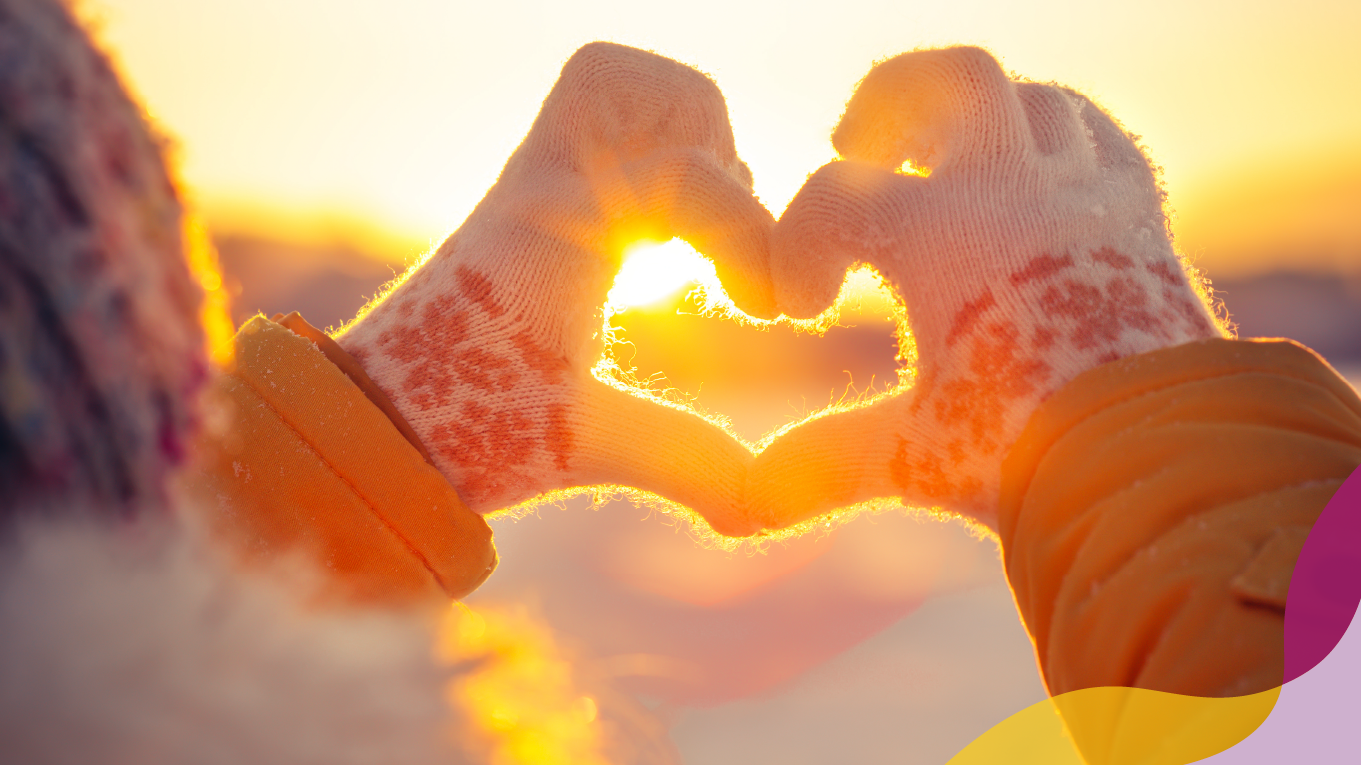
[1036, 249]
[487, 348]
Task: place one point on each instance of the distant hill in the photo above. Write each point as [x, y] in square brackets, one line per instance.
[326, 284]
[1323, 311]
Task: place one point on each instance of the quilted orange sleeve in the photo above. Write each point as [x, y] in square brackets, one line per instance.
[308, 465]
[1152, 512]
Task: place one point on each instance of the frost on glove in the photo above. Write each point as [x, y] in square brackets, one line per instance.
[487, 348]
[1023, 229]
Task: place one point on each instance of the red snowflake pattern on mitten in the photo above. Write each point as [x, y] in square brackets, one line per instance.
[487, 349]
[1035, 249]
[501, 436]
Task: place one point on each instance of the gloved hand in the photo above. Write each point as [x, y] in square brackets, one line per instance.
[487, 348]
[1036, 249]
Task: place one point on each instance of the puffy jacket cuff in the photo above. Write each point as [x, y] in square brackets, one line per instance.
[308, 463]
[1151, 515]
[1152, 510]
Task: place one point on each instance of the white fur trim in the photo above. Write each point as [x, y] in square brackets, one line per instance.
[143, 646]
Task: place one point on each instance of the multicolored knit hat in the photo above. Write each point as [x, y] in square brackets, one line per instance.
[101, 350]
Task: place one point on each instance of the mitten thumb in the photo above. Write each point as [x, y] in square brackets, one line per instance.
[847, 213]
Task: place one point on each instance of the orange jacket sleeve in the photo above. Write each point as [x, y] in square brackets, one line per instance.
[1152, 512]
[306, 463]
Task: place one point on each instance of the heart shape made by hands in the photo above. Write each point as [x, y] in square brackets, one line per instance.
[1035, 250]
[756, 379]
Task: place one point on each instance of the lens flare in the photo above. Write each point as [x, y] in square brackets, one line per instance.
[520, 700]
[654, 271]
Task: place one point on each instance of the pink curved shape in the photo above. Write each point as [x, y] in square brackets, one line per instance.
[1326, 585]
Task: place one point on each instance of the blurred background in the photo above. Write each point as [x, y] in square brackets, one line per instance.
[329, 143]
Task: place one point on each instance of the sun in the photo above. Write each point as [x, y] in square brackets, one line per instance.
[655, 271]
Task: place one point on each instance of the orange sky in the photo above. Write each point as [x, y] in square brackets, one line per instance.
[392, 118]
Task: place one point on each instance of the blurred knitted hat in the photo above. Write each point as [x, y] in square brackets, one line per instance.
[101, 351]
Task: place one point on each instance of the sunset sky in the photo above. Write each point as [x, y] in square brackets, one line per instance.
[383, 123]
[389, 120]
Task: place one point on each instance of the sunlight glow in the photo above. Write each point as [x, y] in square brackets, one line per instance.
[215, 311]
[653, 272]
[910, 168]
[520, 699]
